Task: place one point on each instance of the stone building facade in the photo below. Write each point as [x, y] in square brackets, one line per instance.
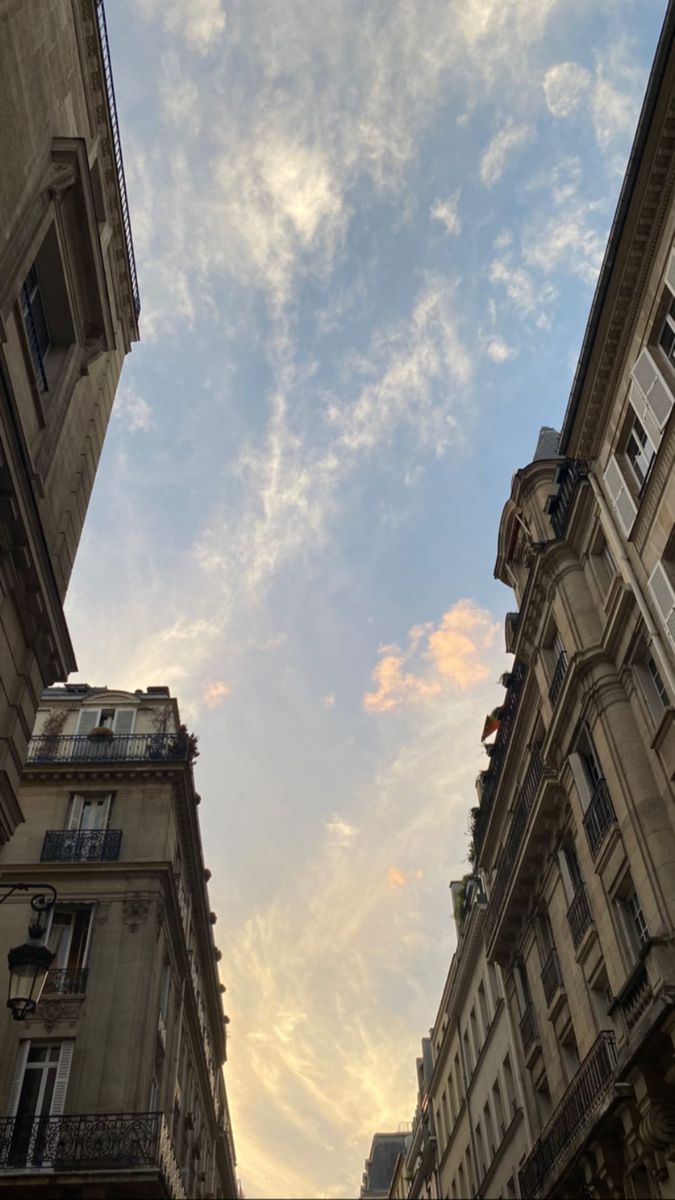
[115, 1085]
[69, 309]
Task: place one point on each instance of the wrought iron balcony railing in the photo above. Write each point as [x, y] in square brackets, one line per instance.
[91, 1142]
[551, 977]
[635, 998]
[66, 981]
[81, 845]
[558, 678]
[509, 855]
[579, 915]
[33, 339]
[117, 151]
[119, 747]
[529, 1033]
[492, 775]
[570, 474]
[599, 817]
[575, 1112]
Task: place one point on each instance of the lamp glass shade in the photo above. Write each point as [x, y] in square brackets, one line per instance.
[28, 967]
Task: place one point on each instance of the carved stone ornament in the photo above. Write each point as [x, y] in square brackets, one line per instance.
[61, 179]
[55, 1012]
[102, 912]
[136, 909]
[657, 1127]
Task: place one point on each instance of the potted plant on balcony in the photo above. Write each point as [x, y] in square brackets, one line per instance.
[100, 731]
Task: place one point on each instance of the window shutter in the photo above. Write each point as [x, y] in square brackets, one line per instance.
[622, 502]
[580, 779]
[89, 718]
[15, 1089]
[645, 414]
[124, 720]
[87, 941]
[670, 273]
[62, 1073]
[663, 595]
[76, 806]
[656, 394]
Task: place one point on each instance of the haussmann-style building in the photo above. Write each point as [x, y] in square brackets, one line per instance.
[114, 1086]
[69, 307]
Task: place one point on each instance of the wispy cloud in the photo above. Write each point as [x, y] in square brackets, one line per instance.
[132, 410]
[506, 141]
[447, 212]
[200, 22]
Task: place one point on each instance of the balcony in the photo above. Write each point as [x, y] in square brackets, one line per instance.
[570, 475]
[551, 978]
[117, 151]
[599, 817]
[565, 1131]
[514, 841]
[635, 997]
[66, 981]
[81, 845]
[529, 1034]
[117, 748]
[558, 678]
[579, 915]
[492, 775]
[96, 1144]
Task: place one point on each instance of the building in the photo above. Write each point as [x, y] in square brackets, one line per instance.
[476, 1091]
[420, 1163]
[575, 832]
[69, 308]
[381, 1164]
[114, 1086]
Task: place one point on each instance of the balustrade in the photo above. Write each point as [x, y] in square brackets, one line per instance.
[81, 845]
[599, 817]
[528, 1028]
[579, 915]
[117, 747]
[551, 977]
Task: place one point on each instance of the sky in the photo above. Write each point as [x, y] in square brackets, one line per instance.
[367, 238]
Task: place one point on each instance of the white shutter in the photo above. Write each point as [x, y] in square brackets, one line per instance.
[89, 718]
[645, 414]
[670, 273]
[622, 502]
[87, 943]
[62, 1073]
[580, 779]
[656, 393]
[124, 720]
[663, 595]
[76, 806]
[15, 1089]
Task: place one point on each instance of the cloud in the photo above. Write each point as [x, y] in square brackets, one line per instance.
[453, 655]
[329, 701]
[400, 879]
[341, 832]
[200, 23]
[566, 87]
[215, 693]
[135, 412]
[499, 350]
[447, 212]
[511, 137]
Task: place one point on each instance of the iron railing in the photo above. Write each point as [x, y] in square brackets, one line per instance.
[574, 1114]
[570, 474]
[119, 747]
[579, 915]
[551, 977]
[91, 1142]
[491, 776]
[599, 817]
[81, 845]
[558, 677]
[509, 855]
[117, 150]
[635, 998]
[66, 981]
[529, 1033]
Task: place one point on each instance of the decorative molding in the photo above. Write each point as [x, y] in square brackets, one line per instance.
[135, 910]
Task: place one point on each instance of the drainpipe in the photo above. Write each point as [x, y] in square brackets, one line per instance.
[618, 550]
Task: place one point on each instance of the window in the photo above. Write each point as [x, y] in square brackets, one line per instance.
[90, 811]
[120, 720]
[35, 323]
[498, 1105]
[648, 673]
[69, 937]
[662, 590]
[467, 1053]
[586, 768]
[522, 987]
[489, 1131]
[38, 1090]
[640, 452]
[659, 686]
[483, 1006]
[631, 916]
[667, 335]
[165, 990]
[480, 1151]
[570, 869]
[475, 1035]
[511, 1101]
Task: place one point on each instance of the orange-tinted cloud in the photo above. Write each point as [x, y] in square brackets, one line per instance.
[215, 693]
[399, 879]
[452, 655]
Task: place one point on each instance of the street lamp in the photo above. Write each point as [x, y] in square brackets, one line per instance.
[29, 963]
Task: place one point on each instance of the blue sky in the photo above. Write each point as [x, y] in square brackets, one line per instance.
[367, 238]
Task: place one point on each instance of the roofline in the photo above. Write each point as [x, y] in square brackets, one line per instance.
[620, 216]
